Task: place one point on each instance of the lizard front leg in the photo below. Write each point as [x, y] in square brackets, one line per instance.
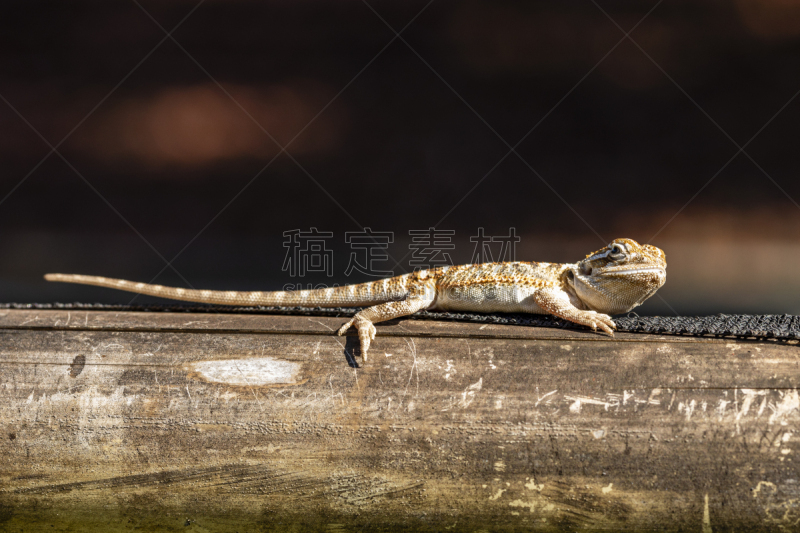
[420, 297]
[556, 302]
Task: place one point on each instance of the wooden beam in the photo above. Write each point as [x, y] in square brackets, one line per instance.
[114, 421]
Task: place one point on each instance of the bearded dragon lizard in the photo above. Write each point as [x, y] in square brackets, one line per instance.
[612, 280]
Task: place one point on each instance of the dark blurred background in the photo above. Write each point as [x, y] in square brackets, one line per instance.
[169, 148]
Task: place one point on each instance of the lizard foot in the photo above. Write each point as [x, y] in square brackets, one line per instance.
[366, 332]
[596, 320]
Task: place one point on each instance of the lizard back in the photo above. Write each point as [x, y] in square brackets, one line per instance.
[495, 287]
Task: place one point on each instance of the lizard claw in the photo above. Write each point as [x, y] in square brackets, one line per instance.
[596, 320]
[344, 328]
[608, 328]
[366, 332]
[604, 322]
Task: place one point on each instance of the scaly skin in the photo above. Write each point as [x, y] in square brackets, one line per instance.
[612, 280]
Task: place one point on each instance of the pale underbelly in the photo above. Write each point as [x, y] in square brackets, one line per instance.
[486, 299]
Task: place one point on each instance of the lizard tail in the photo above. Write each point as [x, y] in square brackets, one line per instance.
[363, 294]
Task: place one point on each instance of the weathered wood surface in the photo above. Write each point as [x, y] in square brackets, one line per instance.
[120, 421]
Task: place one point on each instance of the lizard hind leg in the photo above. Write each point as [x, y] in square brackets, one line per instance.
[365, 319]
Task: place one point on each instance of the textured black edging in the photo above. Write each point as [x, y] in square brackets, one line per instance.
[785, 327]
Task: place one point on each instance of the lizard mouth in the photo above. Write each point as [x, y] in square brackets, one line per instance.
[625, 270]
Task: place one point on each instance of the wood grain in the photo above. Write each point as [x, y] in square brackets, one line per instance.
[122, 421]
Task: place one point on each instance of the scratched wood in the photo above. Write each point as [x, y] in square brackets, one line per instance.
[118, 421]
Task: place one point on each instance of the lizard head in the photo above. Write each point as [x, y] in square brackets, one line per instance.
[617, 278]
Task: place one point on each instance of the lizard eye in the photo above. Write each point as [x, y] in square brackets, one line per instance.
[617, 251]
